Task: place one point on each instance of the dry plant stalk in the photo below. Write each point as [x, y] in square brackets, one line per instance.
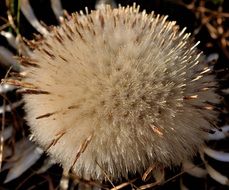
[117, 91]
[215, 22]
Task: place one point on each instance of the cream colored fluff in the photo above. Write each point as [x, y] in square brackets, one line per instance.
[124, 90]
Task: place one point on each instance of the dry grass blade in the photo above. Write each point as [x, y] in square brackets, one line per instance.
[117, 187]
[147, 172]
[214, 20]
[194, 170]
[217, 155]
[77, 180]
[217, 176]
[159, 176]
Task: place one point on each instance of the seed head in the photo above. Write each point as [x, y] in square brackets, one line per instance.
[117, 90]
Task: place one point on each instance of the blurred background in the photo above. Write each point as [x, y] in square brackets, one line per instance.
[24, 165]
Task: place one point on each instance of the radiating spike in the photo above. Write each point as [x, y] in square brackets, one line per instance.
[196, 44]
[18, 83]
[197, 78]
[27, 62]
[82, 148]
[32, 91]
[58, 136]
[191, 97]
[45, 115]
[182, 31]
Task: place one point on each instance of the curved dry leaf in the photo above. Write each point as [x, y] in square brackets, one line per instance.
[7, 58]
[57, 9]
[217, 176]
[7, 133]
[194, 170]
[182, 185]
[64, 181]
[159, 176]
[9, 107]
[46, 165]
[4, 88]
[101, 4]
[217, 155]
[212, 58]
[218, 135]
[10, 38]
[30, 16]
[26, 154]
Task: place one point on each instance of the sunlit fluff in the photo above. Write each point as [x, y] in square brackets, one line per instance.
[112, 92]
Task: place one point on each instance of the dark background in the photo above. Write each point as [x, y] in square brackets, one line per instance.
[185, 18]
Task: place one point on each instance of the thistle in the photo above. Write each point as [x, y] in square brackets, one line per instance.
[112, 92]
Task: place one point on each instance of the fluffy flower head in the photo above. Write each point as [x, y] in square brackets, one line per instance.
[116, 91]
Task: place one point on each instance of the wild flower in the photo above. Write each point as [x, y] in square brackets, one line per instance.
[111, 92]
